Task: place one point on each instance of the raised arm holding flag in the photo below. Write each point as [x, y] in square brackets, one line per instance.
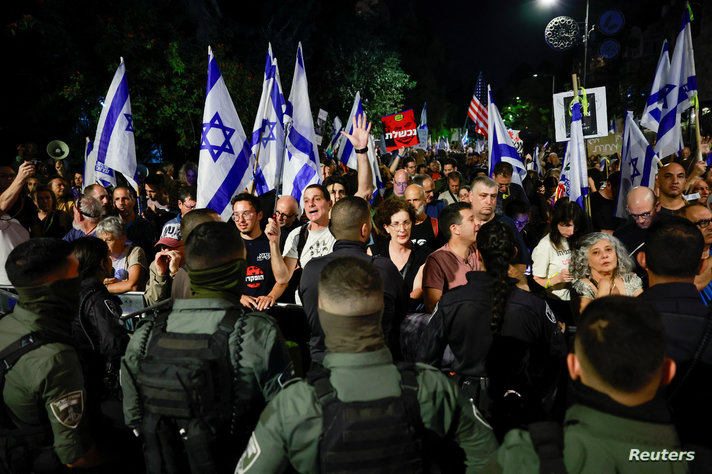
[226, 162]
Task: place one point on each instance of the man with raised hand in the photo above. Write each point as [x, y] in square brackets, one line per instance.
[314, 238]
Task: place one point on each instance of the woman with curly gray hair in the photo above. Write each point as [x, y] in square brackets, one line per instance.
[600, 267]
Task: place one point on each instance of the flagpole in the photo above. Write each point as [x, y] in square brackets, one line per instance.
[280, 175]
[586, 199]
[697, 131]
[257, 158]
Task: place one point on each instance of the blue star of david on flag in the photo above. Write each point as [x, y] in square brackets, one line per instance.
[269, 136]
[634, 168]
[215, 150]
[129, 125]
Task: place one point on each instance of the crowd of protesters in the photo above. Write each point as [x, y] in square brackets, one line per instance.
[523, 300]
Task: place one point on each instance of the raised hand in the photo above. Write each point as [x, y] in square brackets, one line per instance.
[359, 137]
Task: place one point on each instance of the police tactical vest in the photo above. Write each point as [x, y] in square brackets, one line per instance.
[187, 382]
[18, 445]
[377, 436]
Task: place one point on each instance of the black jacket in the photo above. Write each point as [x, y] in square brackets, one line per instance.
[395, 299]
[462, 321]
[97, 328]
[685, 318]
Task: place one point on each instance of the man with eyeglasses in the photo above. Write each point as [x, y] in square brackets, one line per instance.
[287, 215]
[701, 216]
[643, 207]
[261, 289]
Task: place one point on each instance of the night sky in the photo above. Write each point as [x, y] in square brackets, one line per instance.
[443, 46]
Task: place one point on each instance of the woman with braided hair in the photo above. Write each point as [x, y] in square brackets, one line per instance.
[503, 338]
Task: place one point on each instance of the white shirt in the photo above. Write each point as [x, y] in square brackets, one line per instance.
[548, 261]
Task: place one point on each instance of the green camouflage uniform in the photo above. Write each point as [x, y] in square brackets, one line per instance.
[595, 442]
[290, 427]
[47, 383]
[263, 353]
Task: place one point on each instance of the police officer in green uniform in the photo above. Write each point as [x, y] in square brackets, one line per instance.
[215, 259]
[620, 421]
[46, 385]
[361, 370]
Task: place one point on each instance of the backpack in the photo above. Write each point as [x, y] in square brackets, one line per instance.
[186, 383]
[18, 445]
[374, 436]
[302, 241]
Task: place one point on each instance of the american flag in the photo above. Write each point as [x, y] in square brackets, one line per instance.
[477, 111]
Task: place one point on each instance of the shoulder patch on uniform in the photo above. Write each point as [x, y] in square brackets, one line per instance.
[69, 408]
[252, 452]
[549, 313]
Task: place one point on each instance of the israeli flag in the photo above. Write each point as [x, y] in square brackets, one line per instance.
[658, 93]
[424, 117]
[682, 85]
[534, 165]
[335, 136]
[639, 163]
[347, 155]
[500, 145]
[302, 165]
[346, 149]
[226, 161]
[114, 142]
[87, 165]
[464, 139]
[113, 148]
[573, 181]
[268, 130]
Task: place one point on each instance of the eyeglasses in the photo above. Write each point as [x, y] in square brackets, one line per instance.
[405, 225]
[190, 208]
[703, 223]
[522, 223]
[644, 215]
[245, 215]
[282, 214]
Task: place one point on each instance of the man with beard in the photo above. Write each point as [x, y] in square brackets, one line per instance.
[138, 230]
[425, 231]
[99, 192]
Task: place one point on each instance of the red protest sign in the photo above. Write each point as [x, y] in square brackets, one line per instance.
[400, 130]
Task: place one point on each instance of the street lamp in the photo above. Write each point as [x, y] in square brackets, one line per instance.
[586, 35]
